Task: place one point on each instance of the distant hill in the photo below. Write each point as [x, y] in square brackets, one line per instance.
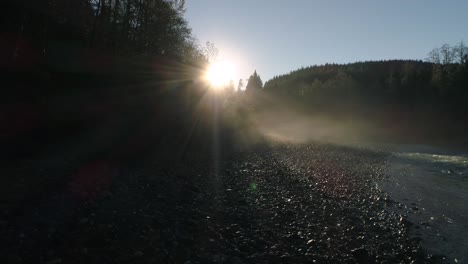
[406, 100]
[404, 84]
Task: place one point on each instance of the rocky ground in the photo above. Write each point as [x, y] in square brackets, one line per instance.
[273, 203]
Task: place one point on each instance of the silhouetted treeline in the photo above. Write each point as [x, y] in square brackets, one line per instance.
[254, 83]
[70, 66]
[77, 34]
[378, 85]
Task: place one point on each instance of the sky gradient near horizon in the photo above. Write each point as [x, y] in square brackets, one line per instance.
[278, 36]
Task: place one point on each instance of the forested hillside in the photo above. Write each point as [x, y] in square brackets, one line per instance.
[440, 85]
[69, 66]
[59, 32]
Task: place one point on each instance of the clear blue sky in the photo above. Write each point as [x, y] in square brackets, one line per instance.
[277, 36]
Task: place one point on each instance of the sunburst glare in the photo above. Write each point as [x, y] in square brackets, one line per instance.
[220, 73]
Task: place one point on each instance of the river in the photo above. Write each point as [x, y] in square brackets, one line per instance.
[430, 186]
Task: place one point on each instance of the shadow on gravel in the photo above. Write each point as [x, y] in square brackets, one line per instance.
[265, 203]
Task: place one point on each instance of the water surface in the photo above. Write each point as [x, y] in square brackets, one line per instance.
[431, 187]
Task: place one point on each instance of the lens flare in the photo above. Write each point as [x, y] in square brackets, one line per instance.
[220, 73]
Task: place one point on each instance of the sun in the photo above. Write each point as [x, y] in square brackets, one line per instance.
[220, 73]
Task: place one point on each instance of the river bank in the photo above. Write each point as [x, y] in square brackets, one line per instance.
[269, 203]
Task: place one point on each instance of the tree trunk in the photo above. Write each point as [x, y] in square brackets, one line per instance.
[95, 24]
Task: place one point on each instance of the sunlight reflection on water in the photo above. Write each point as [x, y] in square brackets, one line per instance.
[458, 160]
[447, 164]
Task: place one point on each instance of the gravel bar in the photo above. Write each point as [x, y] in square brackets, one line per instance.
[273, 203]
